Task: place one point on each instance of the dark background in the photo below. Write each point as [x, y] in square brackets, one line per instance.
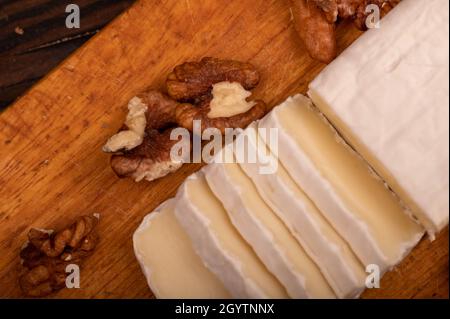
[34, 38]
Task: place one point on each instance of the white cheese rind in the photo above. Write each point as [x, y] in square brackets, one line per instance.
[266, 233]
[219, 245]
[388, 94]
[353, 200]
[168, 260]
[327, 249]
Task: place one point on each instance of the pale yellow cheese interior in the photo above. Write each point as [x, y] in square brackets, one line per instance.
[168, 259]
[315, 283]
[325, 227]
[366, 196]
[231, 241]
[378, 165]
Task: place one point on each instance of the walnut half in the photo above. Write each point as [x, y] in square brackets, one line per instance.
[46, 254]
[218, 91]
[191, 81]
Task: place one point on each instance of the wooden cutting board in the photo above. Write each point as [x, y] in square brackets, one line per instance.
[52, 168]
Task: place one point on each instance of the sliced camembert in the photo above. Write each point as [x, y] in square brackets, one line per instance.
[266, 233]
[356, 203]
[168, 260]
[327, 249]
[218, 243]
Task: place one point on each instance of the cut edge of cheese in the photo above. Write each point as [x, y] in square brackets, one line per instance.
[266, 233]
[344, 188]
[328, 250]
[410, 207]
[412, 53]
[160, 244]
[219, 245]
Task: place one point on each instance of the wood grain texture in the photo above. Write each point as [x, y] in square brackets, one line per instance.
[45, 41]
[52, 167]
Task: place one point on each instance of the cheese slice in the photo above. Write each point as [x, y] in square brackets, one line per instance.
[357, 203]
[168, 260]
[388, 94]
[220, 246]
[266, 233]
[327, 249]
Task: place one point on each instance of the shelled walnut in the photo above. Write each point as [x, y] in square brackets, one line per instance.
[213, 86]
[46, 255]
[191, 81]
[315, 22]
[211, 90]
